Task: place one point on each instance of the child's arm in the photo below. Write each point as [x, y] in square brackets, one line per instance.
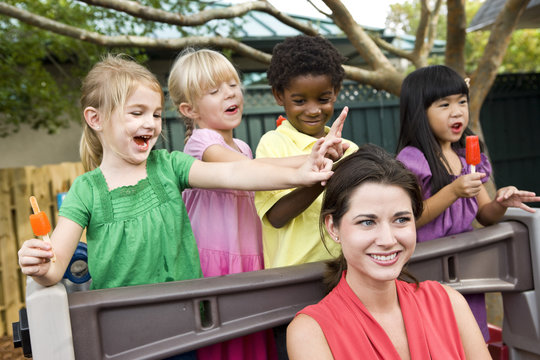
[468, 185]
[256, 175]
[219, 153]
[469, 332]
[292, 205]
[35, 255]
[491, 211]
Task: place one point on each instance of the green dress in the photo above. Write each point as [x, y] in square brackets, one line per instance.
[137, 234]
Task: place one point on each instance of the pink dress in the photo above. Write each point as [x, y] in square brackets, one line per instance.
[228, 234]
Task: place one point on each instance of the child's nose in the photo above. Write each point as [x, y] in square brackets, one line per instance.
[229, 92]
[148, 121]
[314, 110]
[456, 110]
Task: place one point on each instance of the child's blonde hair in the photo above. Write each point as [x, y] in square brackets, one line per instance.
[193, 73]
[107, 87]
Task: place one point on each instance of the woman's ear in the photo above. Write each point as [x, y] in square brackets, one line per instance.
[332, 228]
[278, 95]
[93, 118]
[187, 110]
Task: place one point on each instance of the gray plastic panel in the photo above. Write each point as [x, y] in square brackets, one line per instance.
[156, 321]
[521, 326]
[494, 258]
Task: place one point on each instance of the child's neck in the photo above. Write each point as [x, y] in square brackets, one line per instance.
[125, 174]
[453, 165]
[228, 137]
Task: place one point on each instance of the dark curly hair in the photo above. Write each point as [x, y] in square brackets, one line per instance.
[304, 55]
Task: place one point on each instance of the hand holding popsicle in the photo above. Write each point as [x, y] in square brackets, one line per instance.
[472, 152]
[40, 223]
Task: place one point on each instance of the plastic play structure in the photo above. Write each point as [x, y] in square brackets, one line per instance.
[161, 320]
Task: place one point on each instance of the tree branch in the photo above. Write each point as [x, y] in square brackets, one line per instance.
[131, 41]
[484, 76]
[456, 24]
[425, 33]
[385, 45]
[365, 46]
[150, 13]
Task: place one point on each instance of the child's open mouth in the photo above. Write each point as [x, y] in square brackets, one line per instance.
[457, 127]
[232, 109]
[142, 141]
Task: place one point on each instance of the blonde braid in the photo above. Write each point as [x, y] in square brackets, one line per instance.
[190, 125]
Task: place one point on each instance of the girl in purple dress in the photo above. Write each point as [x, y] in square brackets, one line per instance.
[434, 115]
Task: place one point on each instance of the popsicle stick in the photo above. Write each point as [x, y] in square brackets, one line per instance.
[35, 206]
[473, 169]
[46, 238]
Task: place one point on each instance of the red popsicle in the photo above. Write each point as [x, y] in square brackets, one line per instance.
[40, 223]
[472, 152]
[279, 120]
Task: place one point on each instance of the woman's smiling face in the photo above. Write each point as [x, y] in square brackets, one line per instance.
[377, 233]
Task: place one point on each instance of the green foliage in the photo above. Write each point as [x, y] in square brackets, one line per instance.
[42, 71]
[521, 55]
[404, 18]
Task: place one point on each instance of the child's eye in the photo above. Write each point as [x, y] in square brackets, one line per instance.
[324, 101]
[298, 102]
[212, 91]
[157, 116]
[136, 113]
[463, 102]
[443, 105]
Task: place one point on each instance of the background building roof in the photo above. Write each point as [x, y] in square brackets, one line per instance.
[486, 15]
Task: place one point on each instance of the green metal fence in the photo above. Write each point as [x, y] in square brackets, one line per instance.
[510, 118]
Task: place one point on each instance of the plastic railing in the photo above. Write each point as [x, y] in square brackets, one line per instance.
[161, 320]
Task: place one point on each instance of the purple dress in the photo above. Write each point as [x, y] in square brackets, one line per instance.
[228, 234]
[456, 219]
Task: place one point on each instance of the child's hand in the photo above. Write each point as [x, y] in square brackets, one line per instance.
[318, 168]
[510, 196]
[35, 257]
[467, 186]
[336, 151]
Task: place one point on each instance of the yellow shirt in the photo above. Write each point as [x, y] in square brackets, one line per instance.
[299, 241]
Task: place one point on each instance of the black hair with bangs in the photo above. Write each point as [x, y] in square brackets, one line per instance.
[419, 90]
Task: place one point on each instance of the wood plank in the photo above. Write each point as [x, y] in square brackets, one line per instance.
[12, 299]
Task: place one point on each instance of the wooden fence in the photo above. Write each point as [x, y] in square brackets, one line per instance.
[16, 186]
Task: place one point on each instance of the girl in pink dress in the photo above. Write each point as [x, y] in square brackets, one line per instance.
[205, 88]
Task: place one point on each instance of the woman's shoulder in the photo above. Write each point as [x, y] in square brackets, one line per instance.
[306, 339]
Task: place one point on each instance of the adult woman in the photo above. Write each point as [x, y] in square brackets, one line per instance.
[370, 207]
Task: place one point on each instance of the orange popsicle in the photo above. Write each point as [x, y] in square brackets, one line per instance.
[472, 152]
[40, 223]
